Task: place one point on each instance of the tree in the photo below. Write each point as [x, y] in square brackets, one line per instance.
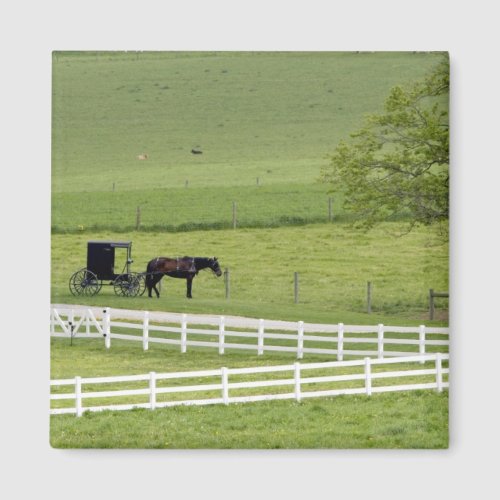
[397, 165]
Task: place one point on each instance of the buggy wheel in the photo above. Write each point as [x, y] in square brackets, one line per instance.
[142, 283]
[127, 285]
[84, 282]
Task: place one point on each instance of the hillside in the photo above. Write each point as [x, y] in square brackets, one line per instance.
[261, 120]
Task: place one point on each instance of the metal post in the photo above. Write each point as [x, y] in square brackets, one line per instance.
[296, 287]
[330, 210]
[431, 304]
[234, 215]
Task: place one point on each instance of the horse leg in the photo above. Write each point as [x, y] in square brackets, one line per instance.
[156, 282]
[156, 279]
[189, 285]
[149, 285]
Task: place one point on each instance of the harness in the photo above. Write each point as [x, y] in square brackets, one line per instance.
[178, 260]
[192, 267]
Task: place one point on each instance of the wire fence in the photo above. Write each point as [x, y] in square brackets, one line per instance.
[194, 208]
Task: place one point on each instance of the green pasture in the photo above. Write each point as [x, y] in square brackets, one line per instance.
[185, 209]
[260, 118]
[266, 123]
[248, 113]
[333, 261]
[399, 420]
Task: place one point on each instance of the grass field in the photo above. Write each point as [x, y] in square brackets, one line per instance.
[416, 419]
[334, 264]
[266, 123]
[274, 117]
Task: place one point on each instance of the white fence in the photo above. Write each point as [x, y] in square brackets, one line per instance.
[258, 335]
[363, 380]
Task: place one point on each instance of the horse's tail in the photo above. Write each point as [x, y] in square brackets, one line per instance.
[150, 266]
[150, 269]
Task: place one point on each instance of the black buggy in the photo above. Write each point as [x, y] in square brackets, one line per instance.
[101, 268]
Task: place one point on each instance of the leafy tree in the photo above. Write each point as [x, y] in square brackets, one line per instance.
[397, 165]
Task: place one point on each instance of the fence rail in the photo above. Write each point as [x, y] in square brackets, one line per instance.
[362, 381]
[261, 335]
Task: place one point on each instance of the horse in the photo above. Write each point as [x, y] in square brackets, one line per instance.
[181, 267]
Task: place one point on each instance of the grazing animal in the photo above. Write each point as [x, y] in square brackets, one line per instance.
[182, 267]
[143, 156]
[197, 151]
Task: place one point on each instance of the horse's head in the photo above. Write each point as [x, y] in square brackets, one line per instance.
[214, 266]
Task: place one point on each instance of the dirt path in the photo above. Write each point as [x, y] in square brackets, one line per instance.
[205, 319]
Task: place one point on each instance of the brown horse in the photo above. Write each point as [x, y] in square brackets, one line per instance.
[182, 267]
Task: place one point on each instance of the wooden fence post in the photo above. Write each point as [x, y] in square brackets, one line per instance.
[71, 319]
[369, 297]
[52, 321]
[145, 331]
[225, 385]
[260, 339]
[152, 390]
[380, 341]
[296, 376]
[106, 327]
[421, 342]
[87, 321]
[221, 335]
[300, 340]
[340, 342]
[439, 373]
[296, 287]
[226, 282]
[78, 396]
[368, 377]
[184, 333]
[432, 295]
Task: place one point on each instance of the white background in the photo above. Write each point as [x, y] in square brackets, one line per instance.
[31, 30]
